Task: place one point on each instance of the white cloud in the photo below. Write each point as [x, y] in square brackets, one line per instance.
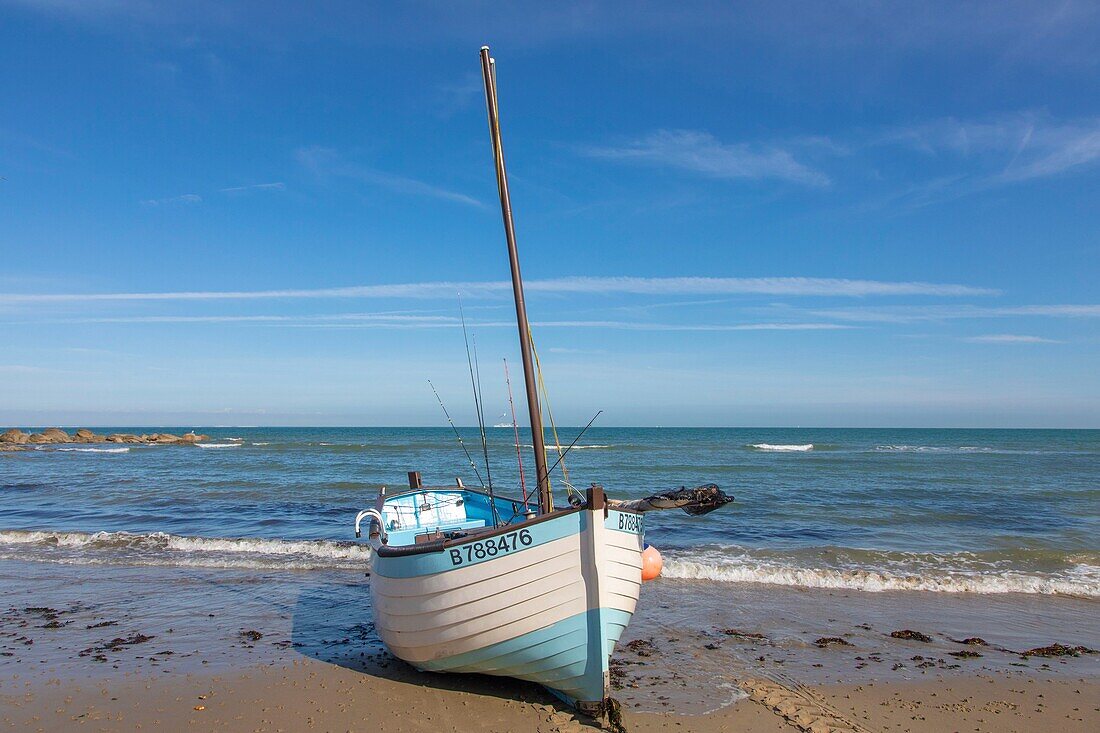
[187, 198]
[796, 286]
[325, 162]
[277, 186]
[1010, 338]
[701, 152]
[1007, 148]
[915, 313]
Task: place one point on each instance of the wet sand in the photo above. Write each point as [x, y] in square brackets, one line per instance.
[111, 647]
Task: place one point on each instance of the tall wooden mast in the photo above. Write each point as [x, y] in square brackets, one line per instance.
[488, 72]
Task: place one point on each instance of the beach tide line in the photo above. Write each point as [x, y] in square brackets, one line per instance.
[321, 549]
[1080, 580]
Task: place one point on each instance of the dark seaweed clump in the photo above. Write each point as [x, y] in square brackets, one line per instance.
[642, 647]
[828, 640]
[1058, 650]
[910, 635]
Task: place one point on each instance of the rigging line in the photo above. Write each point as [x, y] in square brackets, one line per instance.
[484, 440]
[515, 428]
[549, 412]
[575, 441]
[458, 435]
[475, 384]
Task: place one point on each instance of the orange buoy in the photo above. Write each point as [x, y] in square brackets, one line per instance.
[651, 563]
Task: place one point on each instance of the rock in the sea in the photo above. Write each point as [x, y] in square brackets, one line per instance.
[56, 435]
[14, 436]
[38, 438]
[194, 438]
[10, 447]
[166, 438]
[123, 438]
[87, 436]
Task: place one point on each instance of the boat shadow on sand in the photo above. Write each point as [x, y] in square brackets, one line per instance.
[331, 623]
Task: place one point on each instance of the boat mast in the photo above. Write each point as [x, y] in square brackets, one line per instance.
[488, 72]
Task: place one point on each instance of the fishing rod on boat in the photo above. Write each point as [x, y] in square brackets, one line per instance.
[515, 429]
[475, 384]
[564, 452]
[457, 435]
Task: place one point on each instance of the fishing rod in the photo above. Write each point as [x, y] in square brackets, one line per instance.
[475, 385]
[564, 452]
[458, 435]
[515, 428]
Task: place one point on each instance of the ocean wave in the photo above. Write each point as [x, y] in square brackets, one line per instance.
[935, 449]
[218, 445]
[783, 448]
[95, 450]
[261, 444]
[162, 548]
[554, 448]
[960, 573]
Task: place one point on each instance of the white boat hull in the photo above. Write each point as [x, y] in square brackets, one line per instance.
[545, 600]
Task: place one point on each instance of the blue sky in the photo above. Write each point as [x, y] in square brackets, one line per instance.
[775, 214]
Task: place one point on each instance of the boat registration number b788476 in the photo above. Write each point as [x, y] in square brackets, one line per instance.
[491, 548]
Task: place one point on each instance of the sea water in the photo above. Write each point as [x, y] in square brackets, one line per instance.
[834, 533]
[951, 511]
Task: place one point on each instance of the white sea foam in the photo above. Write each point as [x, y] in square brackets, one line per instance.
[261, 444]
[161, 548]
[784, 448]
[95, 450]
[934, 449]
[1079, 580]
[218, 445]
[554, 448]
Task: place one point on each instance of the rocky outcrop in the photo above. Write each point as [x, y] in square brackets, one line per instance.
[56, 435]
[15, 439]
[87, 436]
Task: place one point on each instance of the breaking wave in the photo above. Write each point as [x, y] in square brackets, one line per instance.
[95, 450]
[934, 449]
[554, 448]
[892, 571]
[783, 448]
[161, 548]
[218, 445]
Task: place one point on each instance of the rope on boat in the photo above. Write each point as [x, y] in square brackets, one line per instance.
[550, 415]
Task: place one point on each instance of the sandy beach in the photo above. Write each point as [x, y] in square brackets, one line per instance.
[156, 648]
[310, 695]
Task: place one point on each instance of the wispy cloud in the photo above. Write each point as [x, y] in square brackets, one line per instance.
[1008, 148]
[793, 286]
[277, 186]
[187, 198]
[700, 152]
[326, 162]
[918, 313]
[459, 95]
[389, 321]
[1009, 338]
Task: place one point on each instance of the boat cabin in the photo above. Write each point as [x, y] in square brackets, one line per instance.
[426, 514]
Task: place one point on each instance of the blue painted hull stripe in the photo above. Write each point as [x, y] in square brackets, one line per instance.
[559, 656]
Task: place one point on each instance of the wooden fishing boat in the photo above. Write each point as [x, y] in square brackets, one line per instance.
[464, 580]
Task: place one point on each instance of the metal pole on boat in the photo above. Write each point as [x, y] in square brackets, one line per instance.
[488, 72]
